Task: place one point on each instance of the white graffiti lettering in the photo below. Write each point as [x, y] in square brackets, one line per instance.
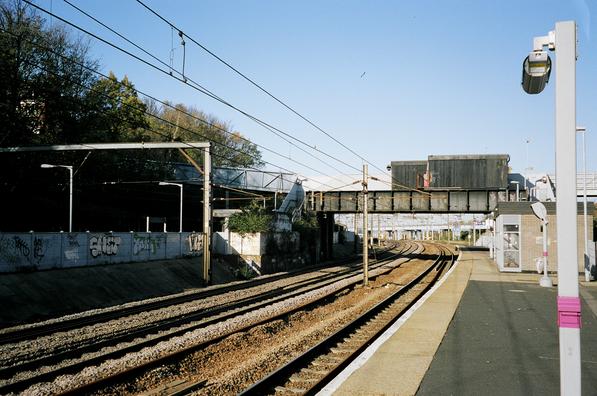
[195, 242]
[104, 245]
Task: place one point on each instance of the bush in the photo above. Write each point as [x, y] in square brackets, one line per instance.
[252, 219]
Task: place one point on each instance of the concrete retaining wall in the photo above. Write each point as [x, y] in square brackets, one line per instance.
[46, 250]
[251, 244]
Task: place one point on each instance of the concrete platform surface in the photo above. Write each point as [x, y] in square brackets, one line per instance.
[398, 366]
[502, 339]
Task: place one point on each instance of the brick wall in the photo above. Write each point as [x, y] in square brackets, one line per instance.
[531, 244]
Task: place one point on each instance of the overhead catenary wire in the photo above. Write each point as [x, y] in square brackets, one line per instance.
[182, 74]
[203, 90]
[171, 123]
[186, 80]
[178, 126]
[251, 81]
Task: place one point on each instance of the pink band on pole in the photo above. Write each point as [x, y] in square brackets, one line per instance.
[544, 254]
[569, 312]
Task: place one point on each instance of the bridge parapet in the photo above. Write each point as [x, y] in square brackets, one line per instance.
[388, 201]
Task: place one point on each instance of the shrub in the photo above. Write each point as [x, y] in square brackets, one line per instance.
[252, 219]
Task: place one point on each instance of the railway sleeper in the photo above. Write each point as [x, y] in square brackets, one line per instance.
[354, 340]
[294, 391]
[341, 351]
[327, 360]
[299, 378]
[314, 372]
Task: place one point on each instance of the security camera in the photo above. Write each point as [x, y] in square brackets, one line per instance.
[536, 69]
[389, 167]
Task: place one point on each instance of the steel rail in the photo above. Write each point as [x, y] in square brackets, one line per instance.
[41, 377]
[13, 336]
[282, 374]
[259, 299]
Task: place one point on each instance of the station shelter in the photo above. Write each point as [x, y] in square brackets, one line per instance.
[519, 237]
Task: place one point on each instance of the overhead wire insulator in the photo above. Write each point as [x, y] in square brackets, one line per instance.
[184, 53]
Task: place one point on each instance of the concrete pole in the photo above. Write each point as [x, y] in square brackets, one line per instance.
[365, 228]
[70, 199]
[527, 168]
[180, 217]
[378, 231]
[355, 235]
[586, 233]
[492, 247]
[569, 319]
[474, 232]
[206, 214]
[494, 240]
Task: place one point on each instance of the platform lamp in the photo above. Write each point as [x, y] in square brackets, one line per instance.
[70, 193]
[179, 185]
[535, 75]
[541, 213]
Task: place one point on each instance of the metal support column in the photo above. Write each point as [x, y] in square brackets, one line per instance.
[206, 214]
[365, 227]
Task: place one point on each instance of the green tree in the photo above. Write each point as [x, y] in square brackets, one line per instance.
[183, 123]
[253, 218]
[116, 114]
[41, 81]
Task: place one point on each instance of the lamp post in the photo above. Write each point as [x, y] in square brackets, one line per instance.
[526, 171]
[536, 71]
[517, 189]
[70, 193]
[179, 185]
[583, 130]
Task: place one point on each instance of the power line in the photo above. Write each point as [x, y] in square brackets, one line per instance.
[249, 79]
[203, 90]
[169, 122]
[267, 92]
[186, 80]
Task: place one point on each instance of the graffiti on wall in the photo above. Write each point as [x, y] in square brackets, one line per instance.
[106, 245]
[142, 244]
[71, 252]
[16, 250]
[195, 242]
[24, 251]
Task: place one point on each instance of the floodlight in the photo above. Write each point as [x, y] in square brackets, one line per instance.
[536, 69]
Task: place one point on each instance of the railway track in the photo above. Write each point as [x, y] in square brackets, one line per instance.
[9, 336]
[196, 383]
[41, 370]
[312, 370]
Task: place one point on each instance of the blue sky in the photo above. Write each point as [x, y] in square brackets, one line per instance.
[441, 77]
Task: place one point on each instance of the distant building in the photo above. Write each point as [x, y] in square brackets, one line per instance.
[478, 171]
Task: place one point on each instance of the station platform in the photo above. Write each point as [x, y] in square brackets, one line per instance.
[480, 332]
